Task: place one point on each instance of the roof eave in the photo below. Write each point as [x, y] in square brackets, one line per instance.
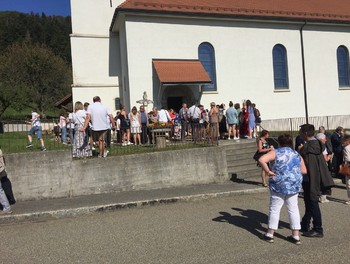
[118, 11]
[185, 83]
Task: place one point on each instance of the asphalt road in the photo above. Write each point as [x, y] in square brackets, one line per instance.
[223, 230]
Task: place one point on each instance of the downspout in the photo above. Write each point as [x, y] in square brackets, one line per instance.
[200, 92]
[304, 75]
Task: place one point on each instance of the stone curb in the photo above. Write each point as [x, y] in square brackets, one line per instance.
[75, 212]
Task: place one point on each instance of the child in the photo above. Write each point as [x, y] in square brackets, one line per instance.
[3, 199]
[56, 130]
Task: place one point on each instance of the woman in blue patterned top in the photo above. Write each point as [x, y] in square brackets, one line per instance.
[285, 179]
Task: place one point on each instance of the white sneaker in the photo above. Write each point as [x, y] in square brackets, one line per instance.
[129, 143]
[323, 199]
[8, 211]
[105, 153]
[229, 138]
[124, 144]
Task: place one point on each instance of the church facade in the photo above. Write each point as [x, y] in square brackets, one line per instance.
[291, 58]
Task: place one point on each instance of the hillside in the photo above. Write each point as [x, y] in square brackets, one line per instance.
[52, 31]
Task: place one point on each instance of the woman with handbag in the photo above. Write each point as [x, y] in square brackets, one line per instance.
[124, 126]
[263, 148]
[81, 147]
[346, 154]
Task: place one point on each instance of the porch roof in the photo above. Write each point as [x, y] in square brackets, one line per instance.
[180, 71]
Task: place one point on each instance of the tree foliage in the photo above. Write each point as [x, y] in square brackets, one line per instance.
[35, 60]
[53, 31]
[31, 75]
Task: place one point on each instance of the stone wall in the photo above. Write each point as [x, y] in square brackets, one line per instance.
[44, 175]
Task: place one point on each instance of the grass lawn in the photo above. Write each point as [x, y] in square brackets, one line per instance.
[15, 142]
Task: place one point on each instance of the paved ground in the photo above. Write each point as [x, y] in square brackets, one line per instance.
[219, 230]
[71, 207]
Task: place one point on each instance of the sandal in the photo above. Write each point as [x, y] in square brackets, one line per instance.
[265, 185]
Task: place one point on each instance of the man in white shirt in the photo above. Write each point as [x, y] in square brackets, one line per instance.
[195, 115]
[97, 113]
[163, 116]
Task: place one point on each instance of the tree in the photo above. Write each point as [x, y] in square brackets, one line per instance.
[32, 76]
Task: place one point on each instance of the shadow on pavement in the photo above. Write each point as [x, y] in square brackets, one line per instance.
[250, 220]
[235, 179]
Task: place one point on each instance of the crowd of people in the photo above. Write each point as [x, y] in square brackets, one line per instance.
[135, 127]
[236, 122]
[307, 165]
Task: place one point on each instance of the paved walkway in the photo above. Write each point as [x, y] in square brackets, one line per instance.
[42, 210]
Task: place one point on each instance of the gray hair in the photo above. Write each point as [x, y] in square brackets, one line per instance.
[320, 136]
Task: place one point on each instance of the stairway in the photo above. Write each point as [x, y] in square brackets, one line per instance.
[240, 162]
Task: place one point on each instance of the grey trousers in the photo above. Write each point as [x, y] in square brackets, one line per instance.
[3, 200]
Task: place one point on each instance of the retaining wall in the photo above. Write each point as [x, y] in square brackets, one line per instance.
[44, 175]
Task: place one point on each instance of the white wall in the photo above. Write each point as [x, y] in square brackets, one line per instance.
[95, 53]
[243, 60]
[324, 94]
[92, 16]
[107, 95]
[92, 61]
[244, 68]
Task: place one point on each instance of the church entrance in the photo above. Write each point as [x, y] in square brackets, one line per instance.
[175, 103]
[174, 96]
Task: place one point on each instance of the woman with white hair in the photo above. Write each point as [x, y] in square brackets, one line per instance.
[327, 156]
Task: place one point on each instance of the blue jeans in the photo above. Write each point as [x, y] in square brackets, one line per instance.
[63, 134]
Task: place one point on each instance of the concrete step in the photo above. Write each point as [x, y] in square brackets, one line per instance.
[243, 167]
[240, 157]
[246, 164]
[240, 162]
[243, 149]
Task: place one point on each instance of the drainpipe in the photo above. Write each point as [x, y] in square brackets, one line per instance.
[200, 92]
[304, 77]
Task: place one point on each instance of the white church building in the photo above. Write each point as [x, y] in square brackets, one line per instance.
[291, 58]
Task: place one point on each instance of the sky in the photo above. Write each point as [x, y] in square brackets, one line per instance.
[49, 7]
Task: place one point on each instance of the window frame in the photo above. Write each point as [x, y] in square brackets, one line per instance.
[344, 70]
[210, 69]
[280, 67]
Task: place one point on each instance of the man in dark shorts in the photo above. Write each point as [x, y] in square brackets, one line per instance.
[97, 113]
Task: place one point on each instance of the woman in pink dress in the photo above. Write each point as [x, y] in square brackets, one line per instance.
[244, 129]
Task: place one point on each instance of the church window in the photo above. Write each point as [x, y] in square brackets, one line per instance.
[280, 67]
[343, 66]
[206, 55]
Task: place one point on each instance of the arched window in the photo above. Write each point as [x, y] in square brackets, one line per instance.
[206, 55]
[343, 66]
[280, 67]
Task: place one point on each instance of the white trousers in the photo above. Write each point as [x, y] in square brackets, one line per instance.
[348, 185]
[276, 202]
